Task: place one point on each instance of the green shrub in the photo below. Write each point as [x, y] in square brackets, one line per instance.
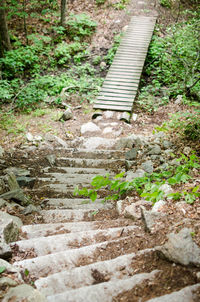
[165, 3]
[112, 51]
[64, 52]
[80, 25]
[173, 60]
[17, 61]
[6, 91]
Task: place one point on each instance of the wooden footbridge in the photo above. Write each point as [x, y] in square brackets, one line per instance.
[121, 84]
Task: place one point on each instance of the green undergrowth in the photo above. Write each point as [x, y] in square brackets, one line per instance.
[172, 65]
[149, 186]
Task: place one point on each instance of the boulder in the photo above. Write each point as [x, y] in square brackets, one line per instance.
[17, 171]
[150, 218]
[180, 248]
[51, 159]
[130, 175]
[17, 195]
[89, 127]
[155, 150]
[23, 292]
[11, 269]
[147, 166]
[67, 115]
[132, 154]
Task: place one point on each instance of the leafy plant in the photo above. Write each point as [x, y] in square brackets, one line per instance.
[173, 61]
[165, 3]
[2, 269]
[80, 25]
[112, 51]
[149, 186]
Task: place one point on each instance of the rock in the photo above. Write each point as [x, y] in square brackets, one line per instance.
[126, 116]
[169, 153]
[2, 186]
[67, 115]
[16, 220]
[23, 292]
[164, 167]
[186, 294]
[179, 99]
[51, 159]
[12, 182]
[17, 171]
[133, 211]
[103, 65]
[17, 195]
[180, 248]
[119, 207]
[130, 175]
[167, 189]
[93, 143]
[29, 137]
[129, 164]
[38, 138]
[108, 114]
[1, 151]
[108, 130]
[5, 281]
[2, 203]
[132, 154]
[60, 141]
[174, 162]
[155, 150]
[129, 142]
[25, 181]
[30, 209]
[5, 250]
[157, 207]
[187, 151]
[147, 166]
[89, 127]
[96, 114]
[150, 218]
[124, 29]
[166, 144]
[10, 269]
[134, 117]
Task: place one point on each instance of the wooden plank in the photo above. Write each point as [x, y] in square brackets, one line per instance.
[109, 90]
[115, 98]
[121, 83]
[112, 107]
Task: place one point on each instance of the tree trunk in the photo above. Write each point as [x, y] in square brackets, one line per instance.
[63, 10]
[4, 37]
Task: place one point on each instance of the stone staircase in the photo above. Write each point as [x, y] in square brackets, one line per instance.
[84, 251]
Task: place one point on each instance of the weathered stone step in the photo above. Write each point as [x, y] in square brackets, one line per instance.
[90, 163]
[79, 203]
[53, 244]
[49, 264]
[187, 294]
[72, 170]
[105, 291]
[43, 230]
[117, 268]
[50, 216]
[85, 153]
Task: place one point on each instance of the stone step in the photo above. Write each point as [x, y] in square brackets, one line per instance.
[117, 268]
[53, 216]
[71, 170]
[85, 153]
[186, 294]
[105, 291]
[57, 243]
[43, 230]
[49, 264]
[91, 163]
[78, 203]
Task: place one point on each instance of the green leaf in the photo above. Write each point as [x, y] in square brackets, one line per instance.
[26, 272]
[2, 269]
[93, 195]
